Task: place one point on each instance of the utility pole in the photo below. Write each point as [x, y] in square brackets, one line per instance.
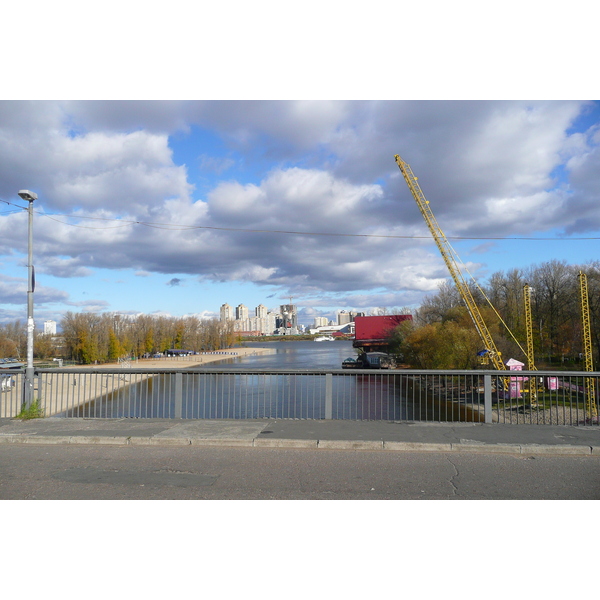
[29, 371]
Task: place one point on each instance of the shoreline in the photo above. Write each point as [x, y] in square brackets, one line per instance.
[66, 391]
[179, 362]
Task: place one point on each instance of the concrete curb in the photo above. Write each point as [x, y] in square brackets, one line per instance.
[284, 443]
[152, 441]
[360, 445]
[222, 442]
[494, 448]
[550, 449]
[417, 447]
[349, 445]
[98, 440]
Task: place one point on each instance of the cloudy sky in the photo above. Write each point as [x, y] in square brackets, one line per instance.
[178, 206]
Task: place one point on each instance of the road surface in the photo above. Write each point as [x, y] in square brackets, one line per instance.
[71, 472]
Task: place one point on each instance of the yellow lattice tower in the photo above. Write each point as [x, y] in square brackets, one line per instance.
[529, 331]
[587, 346]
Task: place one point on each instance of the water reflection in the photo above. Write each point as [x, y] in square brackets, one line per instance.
[246, 392]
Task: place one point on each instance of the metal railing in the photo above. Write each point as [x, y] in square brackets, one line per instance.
[537, 397]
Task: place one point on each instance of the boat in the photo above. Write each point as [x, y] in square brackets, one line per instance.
[375, 360]
[325, 338]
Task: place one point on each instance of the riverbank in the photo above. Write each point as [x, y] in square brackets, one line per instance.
[60, 389]
[181, 362]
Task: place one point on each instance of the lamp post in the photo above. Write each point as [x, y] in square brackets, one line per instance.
[29, 372]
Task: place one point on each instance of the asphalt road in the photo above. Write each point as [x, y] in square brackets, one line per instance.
[72, 472]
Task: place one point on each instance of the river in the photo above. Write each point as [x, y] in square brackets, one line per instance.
[246, 391]
[301, 354]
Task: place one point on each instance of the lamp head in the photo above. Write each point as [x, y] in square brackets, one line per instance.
[27, 195]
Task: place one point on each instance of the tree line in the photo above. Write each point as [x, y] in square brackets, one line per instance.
[442, 334]
[88, 338]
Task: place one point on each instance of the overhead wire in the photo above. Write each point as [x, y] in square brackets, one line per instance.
[181, 227]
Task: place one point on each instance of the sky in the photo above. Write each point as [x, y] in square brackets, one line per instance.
[175, 202]
[176, 207]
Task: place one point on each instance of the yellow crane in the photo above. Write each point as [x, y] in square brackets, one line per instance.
[592, 411]
[447, 253]
[528, 327]
[529, 333]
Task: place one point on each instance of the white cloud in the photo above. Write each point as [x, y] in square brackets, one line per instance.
[13, 290]
[488, 168]
[128, 171]
[62, 267]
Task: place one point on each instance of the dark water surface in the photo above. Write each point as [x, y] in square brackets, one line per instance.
[291, 355]
[247, 391]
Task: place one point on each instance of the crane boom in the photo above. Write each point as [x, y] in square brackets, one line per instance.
[447, 253]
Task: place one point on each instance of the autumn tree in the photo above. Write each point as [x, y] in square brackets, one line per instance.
[555, 304]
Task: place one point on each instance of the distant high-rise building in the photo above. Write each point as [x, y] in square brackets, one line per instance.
[343, 317]
[289, 316]
[261, 311]
[321, 322]
[264, 322]
[241, 312]
[226, 312]
[49, 327]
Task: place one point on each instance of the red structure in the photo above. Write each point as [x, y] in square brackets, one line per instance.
[372, 333]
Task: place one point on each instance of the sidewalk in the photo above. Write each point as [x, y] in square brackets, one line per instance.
[334, 434]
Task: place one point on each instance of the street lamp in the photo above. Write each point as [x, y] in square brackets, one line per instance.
[29, 373]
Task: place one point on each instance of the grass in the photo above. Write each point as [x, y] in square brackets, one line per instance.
[33, 411]
[550, 400]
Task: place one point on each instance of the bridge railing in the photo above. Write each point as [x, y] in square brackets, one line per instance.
[538, 397]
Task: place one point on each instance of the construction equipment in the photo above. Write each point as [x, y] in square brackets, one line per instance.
[529, 333]
[528, 327]
[590, 387]
[448, 253]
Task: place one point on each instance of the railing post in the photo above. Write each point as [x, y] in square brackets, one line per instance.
[178, 395]
[487, 398]
[329, 396]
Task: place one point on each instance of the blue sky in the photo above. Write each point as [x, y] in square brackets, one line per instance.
[176, 207]
[177, 204]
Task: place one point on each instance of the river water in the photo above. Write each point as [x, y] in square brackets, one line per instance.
[246, 391]
[301, 354]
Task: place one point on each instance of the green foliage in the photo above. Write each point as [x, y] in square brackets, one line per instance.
[438, 336]
[179, 335]
[437, 345]
[33, 411]
[107, 337]
[115, 350]
[149, 341]
[88, 348]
